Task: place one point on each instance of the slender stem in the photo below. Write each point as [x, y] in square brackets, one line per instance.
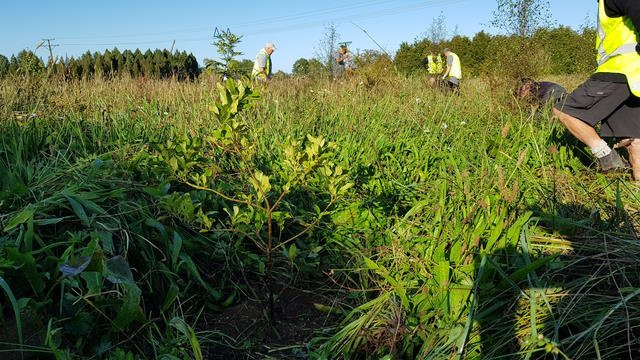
[237, 201]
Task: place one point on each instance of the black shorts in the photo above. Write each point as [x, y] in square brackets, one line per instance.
[608, 103]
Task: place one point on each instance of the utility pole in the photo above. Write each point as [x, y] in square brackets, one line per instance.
[50, 47]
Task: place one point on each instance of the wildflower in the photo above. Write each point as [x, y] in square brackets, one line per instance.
[463, 123]
[418, 100]
[426, 131]
[445, 126]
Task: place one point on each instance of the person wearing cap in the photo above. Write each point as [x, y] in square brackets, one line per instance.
[262, 65]
[453, 73]
[343, 59]
[611, 96]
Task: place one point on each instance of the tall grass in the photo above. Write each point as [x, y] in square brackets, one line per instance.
[474, 229]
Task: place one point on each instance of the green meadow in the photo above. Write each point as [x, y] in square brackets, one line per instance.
[371, 218]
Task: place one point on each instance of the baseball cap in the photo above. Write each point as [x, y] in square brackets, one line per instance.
[270, 45]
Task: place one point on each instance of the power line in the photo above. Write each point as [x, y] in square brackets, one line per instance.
[263, 21]
[314, 13]
[370, 15]
[250, 26]
[291, 27]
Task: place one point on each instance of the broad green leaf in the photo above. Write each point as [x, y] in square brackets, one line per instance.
[78, 209]
[417, 208]
[171, 296]
[193, 270]
[118, 271]
[158, 226]
[173, 164]
[20, 218]
[495, 235]
[89, 205]
[26, 265]
[442, 275]
[106, 241]
[176, 246]
[93, 280]
[75, 265]
[371, 265]
[292, 252]
[130, 310]
[261, 183]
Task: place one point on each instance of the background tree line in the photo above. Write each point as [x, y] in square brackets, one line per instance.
[558, 51]
[158, 64]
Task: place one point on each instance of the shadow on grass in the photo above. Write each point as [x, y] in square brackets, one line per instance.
[574, 294]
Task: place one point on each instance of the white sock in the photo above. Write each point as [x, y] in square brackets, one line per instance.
[601, 149]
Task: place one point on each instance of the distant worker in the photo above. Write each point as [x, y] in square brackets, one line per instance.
[438, 63]
[453, 73]
[539, 93]
[262, 70]
[343, 60]
[434, 67]
[611, 96]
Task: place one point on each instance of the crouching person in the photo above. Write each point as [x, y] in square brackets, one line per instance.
[611, 96]
[539, 93]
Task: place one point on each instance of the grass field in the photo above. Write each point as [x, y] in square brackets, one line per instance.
[365, 219]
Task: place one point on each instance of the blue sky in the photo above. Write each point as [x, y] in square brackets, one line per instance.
[296, 27]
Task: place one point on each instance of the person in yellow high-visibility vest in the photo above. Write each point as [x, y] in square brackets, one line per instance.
[431, 64]
[439, 66]
[434, 68]
[262, 65]
[611, 96]
[453, 74]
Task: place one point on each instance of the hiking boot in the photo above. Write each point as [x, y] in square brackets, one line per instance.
[613, 163]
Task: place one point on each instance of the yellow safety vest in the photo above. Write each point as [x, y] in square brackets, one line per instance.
[439, 67]
[456, 68]
[431, 66]
[617, 48]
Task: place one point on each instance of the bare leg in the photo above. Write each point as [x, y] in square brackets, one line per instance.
[581, 130]
[634, 158]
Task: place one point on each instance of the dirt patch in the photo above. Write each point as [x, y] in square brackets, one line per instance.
[248, 333]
